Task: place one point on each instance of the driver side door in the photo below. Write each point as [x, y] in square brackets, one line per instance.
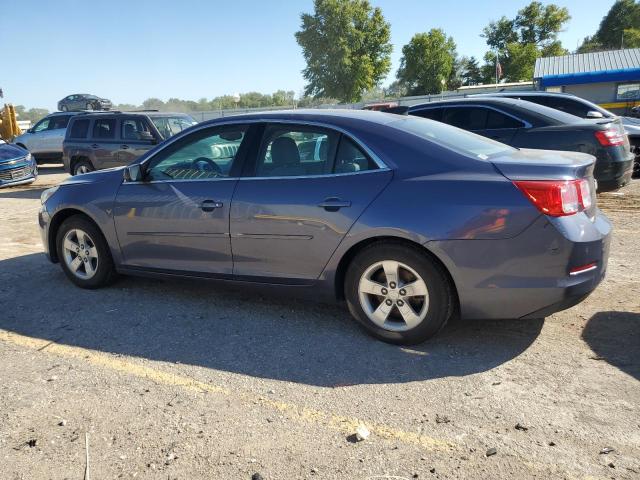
[177, 218]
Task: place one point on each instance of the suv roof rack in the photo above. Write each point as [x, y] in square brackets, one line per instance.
[148, 110]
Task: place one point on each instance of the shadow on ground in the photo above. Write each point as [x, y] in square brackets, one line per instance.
[233, 329]
[615, 337]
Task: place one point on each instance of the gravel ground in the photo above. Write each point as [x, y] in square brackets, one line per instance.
[190, 380]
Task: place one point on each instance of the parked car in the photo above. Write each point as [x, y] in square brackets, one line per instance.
[111, 139]
[44, 139]
[17, 166]
[407, 219]
[524, 124]
[83, 101]
[580, 108]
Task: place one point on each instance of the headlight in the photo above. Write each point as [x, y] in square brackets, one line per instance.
[29, 158]
[47, 194]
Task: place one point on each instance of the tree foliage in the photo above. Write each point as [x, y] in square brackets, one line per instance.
[346, 45]
[519, 41]
[619, 27]
[33, 114]
[427, 62]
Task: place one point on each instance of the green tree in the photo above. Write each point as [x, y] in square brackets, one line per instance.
[33, 114]
[519, 41]
[619, 27]
[427, 62]
[472, 74]
[346, 45]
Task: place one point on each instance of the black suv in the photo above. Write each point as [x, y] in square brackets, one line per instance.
[111, 139]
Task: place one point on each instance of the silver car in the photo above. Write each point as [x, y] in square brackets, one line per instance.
[44, 139]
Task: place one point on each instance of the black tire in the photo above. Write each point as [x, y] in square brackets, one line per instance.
[82, 164]
[105, 271]
[441, 297]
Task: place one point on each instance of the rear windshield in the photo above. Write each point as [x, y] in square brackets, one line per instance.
[172, 125]
[454, 138]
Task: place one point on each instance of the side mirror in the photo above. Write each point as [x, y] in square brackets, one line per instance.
[594, 114]
[148, 137]
[132, 173]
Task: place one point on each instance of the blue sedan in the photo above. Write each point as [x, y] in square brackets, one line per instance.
[408, 220]
[17, 166]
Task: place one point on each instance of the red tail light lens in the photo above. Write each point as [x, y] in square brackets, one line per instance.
[557, 198]
[610, 138]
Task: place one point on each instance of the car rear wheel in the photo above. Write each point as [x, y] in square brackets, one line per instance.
[89, 106]
[84, 253]
[398, 294]
[83, 166]
[64, 108]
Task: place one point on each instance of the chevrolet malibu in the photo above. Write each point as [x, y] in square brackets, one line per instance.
[410, 221]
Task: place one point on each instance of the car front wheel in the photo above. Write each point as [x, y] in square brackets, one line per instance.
[84, 253]
[398, 293]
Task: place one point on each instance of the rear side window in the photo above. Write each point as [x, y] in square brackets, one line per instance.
[430, 113]
[498, 120]
[562, 104]
[350, 158]
[467, 118]
[79, 129]
[104, 128]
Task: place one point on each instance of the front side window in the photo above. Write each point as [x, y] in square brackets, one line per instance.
[58, 122]
[202, 155]
[170, 126]
[104, 128]
[79, 129]
[298, 151]
[628, 91]
[42, 125]
[131, 128]
[467, 118]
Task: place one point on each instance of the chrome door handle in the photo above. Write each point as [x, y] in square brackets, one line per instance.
[210, 205]
[333, 204]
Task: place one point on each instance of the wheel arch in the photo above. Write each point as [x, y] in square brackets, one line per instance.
[350, 254]
[56, 222]
[73, 161]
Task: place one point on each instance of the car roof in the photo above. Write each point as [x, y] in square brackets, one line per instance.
[515, 103]
[129, 113]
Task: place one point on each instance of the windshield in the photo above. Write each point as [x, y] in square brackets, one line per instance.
[172, 125]
[454, 138]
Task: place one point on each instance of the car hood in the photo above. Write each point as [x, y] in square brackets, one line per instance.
[10, 152]
[99, 176]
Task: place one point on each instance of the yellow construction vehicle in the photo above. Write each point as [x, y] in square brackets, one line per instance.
[9, 128]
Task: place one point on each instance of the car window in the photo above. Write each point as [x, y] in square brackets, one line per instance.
[58, 122]
[131, 128]
[430, 113]
[104, 128]
[458, 140]
[563, 104]
[497, 120]
[467, 118]
[350, 158]
[204, 154]
[297, 151]
[42, 125]
[170, 126]
[79, 129]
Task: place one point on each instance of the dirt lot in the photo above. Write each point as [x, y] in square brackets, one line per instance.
[188, 380]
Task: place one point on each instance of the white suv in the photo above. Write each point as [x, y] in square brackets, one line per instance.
[44, 139]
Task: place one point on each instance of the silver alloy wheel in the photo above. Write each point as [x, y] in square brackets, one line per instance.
[393, 295]
[80, 253]
[82, 169]
[89, 106]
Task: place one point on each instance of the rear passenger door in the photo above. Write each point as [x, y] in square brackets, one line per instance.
[134, 139]
[304, 188]
[103, 143]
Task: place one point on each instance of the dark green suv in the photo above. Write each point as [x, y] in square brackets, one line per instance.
[110, 139]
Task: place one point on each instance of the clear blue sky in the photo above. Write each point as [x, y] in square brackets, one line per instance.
[129, 50]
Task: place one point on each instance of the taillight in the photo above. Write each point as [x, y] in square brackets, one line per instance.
[610, 138]
[557, 198]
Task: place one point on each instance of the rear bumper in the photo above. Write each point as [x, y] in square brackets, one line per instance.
[613, 175]
[528, 276]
